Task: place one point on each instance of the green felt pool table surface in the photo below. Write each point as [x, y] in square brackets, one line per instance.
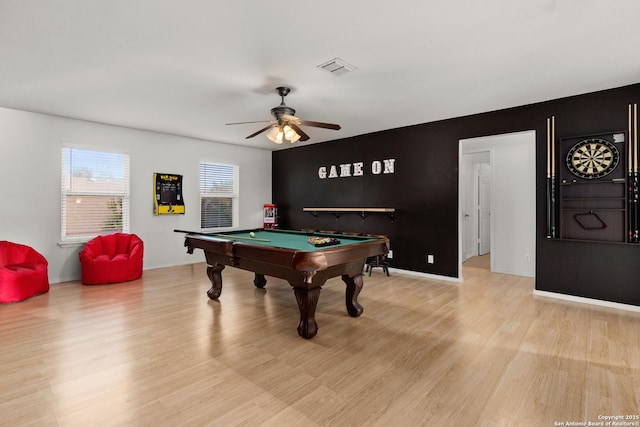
[288, 239]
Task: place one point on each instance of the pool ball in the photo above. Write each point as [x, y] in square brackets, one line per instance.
[252, 234]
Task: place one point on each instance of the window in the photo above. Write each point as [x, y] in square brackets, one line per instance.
[95, 193]
[218, 195]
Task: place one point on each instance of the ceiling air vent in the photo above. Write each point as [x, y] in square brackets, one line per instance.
[337, 67]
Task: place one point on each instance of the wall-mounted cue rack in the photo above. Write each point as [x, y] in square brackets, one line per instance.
[363, 212]
[592, 184]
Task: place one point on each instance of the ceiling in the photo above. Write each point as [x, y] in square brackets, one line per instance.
[189, 67]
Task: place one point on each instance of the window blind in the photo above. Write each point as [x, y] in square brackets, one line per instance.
[218, 195]
[95, 193]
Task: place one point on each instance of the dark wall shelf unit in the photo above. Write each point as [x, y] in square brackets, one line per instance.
[363, 212]
[593, 211]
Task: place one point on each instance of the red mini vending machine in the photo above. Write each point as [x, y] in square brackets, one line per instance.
[270, 216]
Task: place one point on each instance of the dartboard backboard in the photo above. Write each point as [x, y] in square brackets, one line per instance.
[593, 157]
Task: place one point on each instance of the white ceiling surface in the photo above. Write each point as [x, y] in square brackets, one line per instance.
[189, 67]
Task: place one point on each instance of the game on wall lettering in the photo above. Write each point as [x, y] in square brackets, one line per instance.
[345, 170]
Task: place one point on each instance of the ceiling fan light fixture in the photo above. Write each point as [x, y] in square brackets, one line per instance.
[275, 135]
[295, 138]
[281, 133]
[290, 134]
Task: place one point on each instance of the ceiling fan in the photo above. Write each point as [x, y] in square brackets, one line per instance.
[286, 127]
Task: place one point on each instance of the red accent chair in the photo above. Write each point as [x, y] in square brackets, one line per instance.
[23, 272]
[112, 258]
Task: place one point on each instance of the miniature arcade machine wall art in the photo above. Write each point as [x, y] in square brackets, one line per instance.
[167, 197]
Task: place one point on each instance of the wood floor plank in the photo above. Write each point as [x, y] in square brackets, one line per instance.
[158, 352]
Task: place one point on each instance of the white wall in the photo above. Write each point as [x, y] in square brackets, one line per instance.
[30, 206]
[513, 201]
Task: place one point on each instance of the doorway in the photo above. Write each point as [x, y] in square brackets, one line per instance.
[499, 171]
[476, 206]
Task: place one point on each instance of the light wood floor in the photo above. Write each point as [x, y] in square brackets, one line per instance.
[157, 352]
[480, 261]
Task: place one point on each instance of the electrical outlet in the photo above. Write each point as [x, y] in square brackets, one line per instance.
[390, 254]
[527, 258]
[430, 259]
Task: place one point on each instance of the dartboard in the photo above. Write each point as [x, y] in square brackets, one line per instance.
[592, 158]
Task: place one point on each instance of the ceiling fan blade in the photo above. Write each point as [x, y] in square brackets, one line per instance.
[319, 124]
[261, 130]
[244, 123]
[303, 136]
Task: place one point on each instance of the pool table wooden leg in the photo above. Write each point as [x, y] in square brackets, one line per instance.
[259, 281]
[354, 286]
[307, 302]
[215, 276]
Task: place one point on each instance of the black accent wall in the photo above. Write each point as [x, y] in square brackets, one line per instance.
[424, 191]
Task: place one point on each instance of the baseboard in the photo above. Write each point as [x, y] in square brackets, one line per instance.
[63, 279]
[582, 300]
[426, 275]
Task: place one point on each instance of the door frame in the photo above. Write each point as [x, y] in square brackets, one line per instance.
[514, 179]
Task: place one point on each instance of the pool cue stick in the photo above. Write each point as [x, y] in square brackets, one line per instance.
[548, 178]
[201, 233]
[635, 137]
[630, 214]
[553, 177]
[636, 236]
[229, 236]
[633, 189]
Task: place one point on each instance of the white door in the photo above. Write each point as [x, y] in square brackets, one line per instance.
[484, 208]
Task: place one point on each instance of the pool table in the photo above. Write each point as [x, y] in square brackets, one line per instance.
[290, 256]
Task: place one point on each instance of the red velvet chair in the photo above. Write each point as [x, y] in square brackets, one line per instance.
[23, 272]
[112, 258]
